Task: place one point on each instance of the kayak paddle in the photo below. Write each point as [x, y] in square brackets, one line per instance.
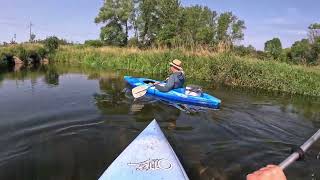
[299, 153]
[140, 91]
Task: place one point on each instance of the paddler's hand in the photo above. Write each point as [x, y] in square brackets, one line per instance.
[271, 172]
[156, 83]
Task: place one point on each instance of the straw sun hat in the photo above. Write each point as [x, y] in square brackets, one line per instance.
[177, 64]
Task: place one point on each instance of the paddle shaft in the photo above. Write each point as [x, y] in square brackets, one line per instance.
[295, 156]
[145, 89]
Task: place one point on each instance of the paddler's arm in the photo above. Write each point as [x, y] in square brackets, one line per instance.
[168, 86]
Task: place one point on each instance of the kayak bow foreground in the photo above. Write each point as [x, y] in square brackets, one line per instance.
[148, 157]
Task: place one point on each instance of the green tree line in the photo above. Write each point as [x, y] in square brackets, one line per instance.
[305, 51]
[166, 23]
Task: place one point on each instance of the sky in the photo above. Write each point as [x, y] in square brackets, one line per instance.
[74, 19]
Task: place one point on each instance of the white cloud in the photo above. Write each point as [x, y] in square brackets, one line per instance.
[290, 16]
[298, 32]
[278, 21]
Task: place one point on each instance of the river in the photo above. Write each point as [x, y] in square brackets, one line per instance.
[69, 123]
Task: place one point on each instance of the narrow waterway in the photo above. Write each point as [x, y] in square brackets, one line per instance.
[70, 123]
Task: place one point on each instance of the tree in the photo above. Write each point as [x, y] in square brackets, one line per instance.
[116, 16]
[273, 47]
[148, 21]
[198, 26]
[316, 51]
[169, 11]
[237, 30]
[166, 23]
[230, 28]
[301, 52]
[314, 32]
[112, 34]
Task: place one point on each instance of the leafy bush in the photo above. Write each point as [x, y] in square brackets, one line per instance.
[42, 52]
[93, 43]
[273, 48]
[244, 51]
[301, 52]
[51, 44]
[2, 57]
[21, 53]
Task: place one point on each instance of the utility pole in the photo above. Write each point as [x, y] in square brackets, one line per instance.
[30, 28]
[13, 39]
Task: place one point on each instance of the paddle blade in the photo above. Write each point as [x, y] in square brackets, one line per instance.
[139, 91]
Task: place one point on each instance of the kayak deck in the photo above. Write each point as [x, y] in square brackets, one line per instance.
[148, 157]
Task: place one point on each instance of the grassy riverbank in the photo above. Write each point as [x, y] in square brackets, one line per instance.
[225, 68]
[215, 68]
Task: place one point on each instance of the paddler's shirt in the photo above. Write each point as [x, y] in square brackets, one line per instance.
[175, 80]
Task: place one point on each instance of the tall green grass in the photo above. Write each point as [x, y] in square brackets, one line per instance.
[224, 68]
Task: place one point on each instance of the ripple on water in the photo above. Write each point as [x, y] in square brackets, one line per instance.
[39, 129]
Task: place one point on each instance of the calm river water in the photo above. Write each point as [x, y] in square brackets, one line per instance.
[70, 123]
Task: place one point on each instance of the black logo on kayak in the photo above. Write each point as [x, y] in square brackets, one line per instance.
[152, 164]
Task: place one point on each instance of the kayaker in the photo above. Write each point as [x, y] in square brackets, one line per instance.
[271, 172]
[175, 80]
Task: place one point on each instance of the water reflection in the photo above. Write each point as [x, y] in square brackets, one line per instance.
[51, 75]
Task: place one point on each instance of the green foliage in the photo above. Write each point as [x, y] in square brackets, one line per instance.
[166, 23]
[229, 29]
[93, 43]
[301, 52]
[168, 13]
[3, 57]
[148, 21]
[316, 51]
[273, 47]
[116, 16]
[51, 44]
[243, 51]
[42, 52]
[60, 41]
[197, 26]
[226, 68]
[21, 53]
[112, 34]
[27, 53]
[314, 31]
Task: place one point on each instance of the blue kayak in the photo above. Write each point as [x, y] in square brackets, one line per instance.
[148, 157]
[176, 95]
